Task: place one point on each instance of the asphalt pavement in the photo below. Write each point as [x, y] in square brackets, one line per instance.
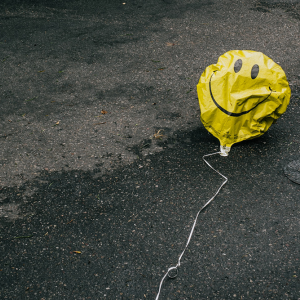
[101, 145]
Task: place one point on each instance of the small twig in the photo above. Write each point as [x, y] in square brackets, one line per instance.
[23, 237]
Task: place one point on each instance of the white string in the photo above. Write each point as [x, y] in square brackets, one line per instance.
[192, 230]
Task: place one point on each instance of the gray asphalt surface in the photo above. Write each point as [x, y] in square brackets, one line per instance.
[101, 153]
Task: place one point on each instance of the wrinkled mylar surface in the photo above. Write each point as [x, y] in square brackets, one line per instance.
[241, 96]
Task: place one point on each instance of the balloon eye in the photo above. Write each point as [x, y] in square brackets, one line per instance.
[254, 71]
[238, 65]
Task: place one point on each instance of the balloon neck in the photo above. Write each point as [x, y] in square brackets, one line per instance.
[224, 150]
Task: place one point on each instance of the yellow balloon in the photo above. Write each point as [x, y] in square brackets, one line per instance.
[241, 96]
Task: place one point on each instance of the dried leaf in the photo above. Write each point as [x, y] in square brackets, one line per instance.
[78, 252]
[158, 134]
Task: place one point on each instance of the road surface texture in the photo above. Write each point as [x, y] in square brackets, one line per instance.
[101, 145]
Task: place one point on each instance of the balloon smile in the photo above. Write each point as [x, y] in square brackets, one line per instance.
[232, 113]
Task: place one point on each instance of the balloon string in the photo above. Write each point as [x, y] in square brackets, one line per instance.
[175, 268]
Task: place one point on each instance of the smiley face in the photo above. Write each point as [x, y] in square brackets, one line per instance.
[242, 95]
[253, 74]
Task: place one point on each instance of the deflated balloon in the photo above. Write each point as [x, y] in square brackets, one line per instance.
[241, 96]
